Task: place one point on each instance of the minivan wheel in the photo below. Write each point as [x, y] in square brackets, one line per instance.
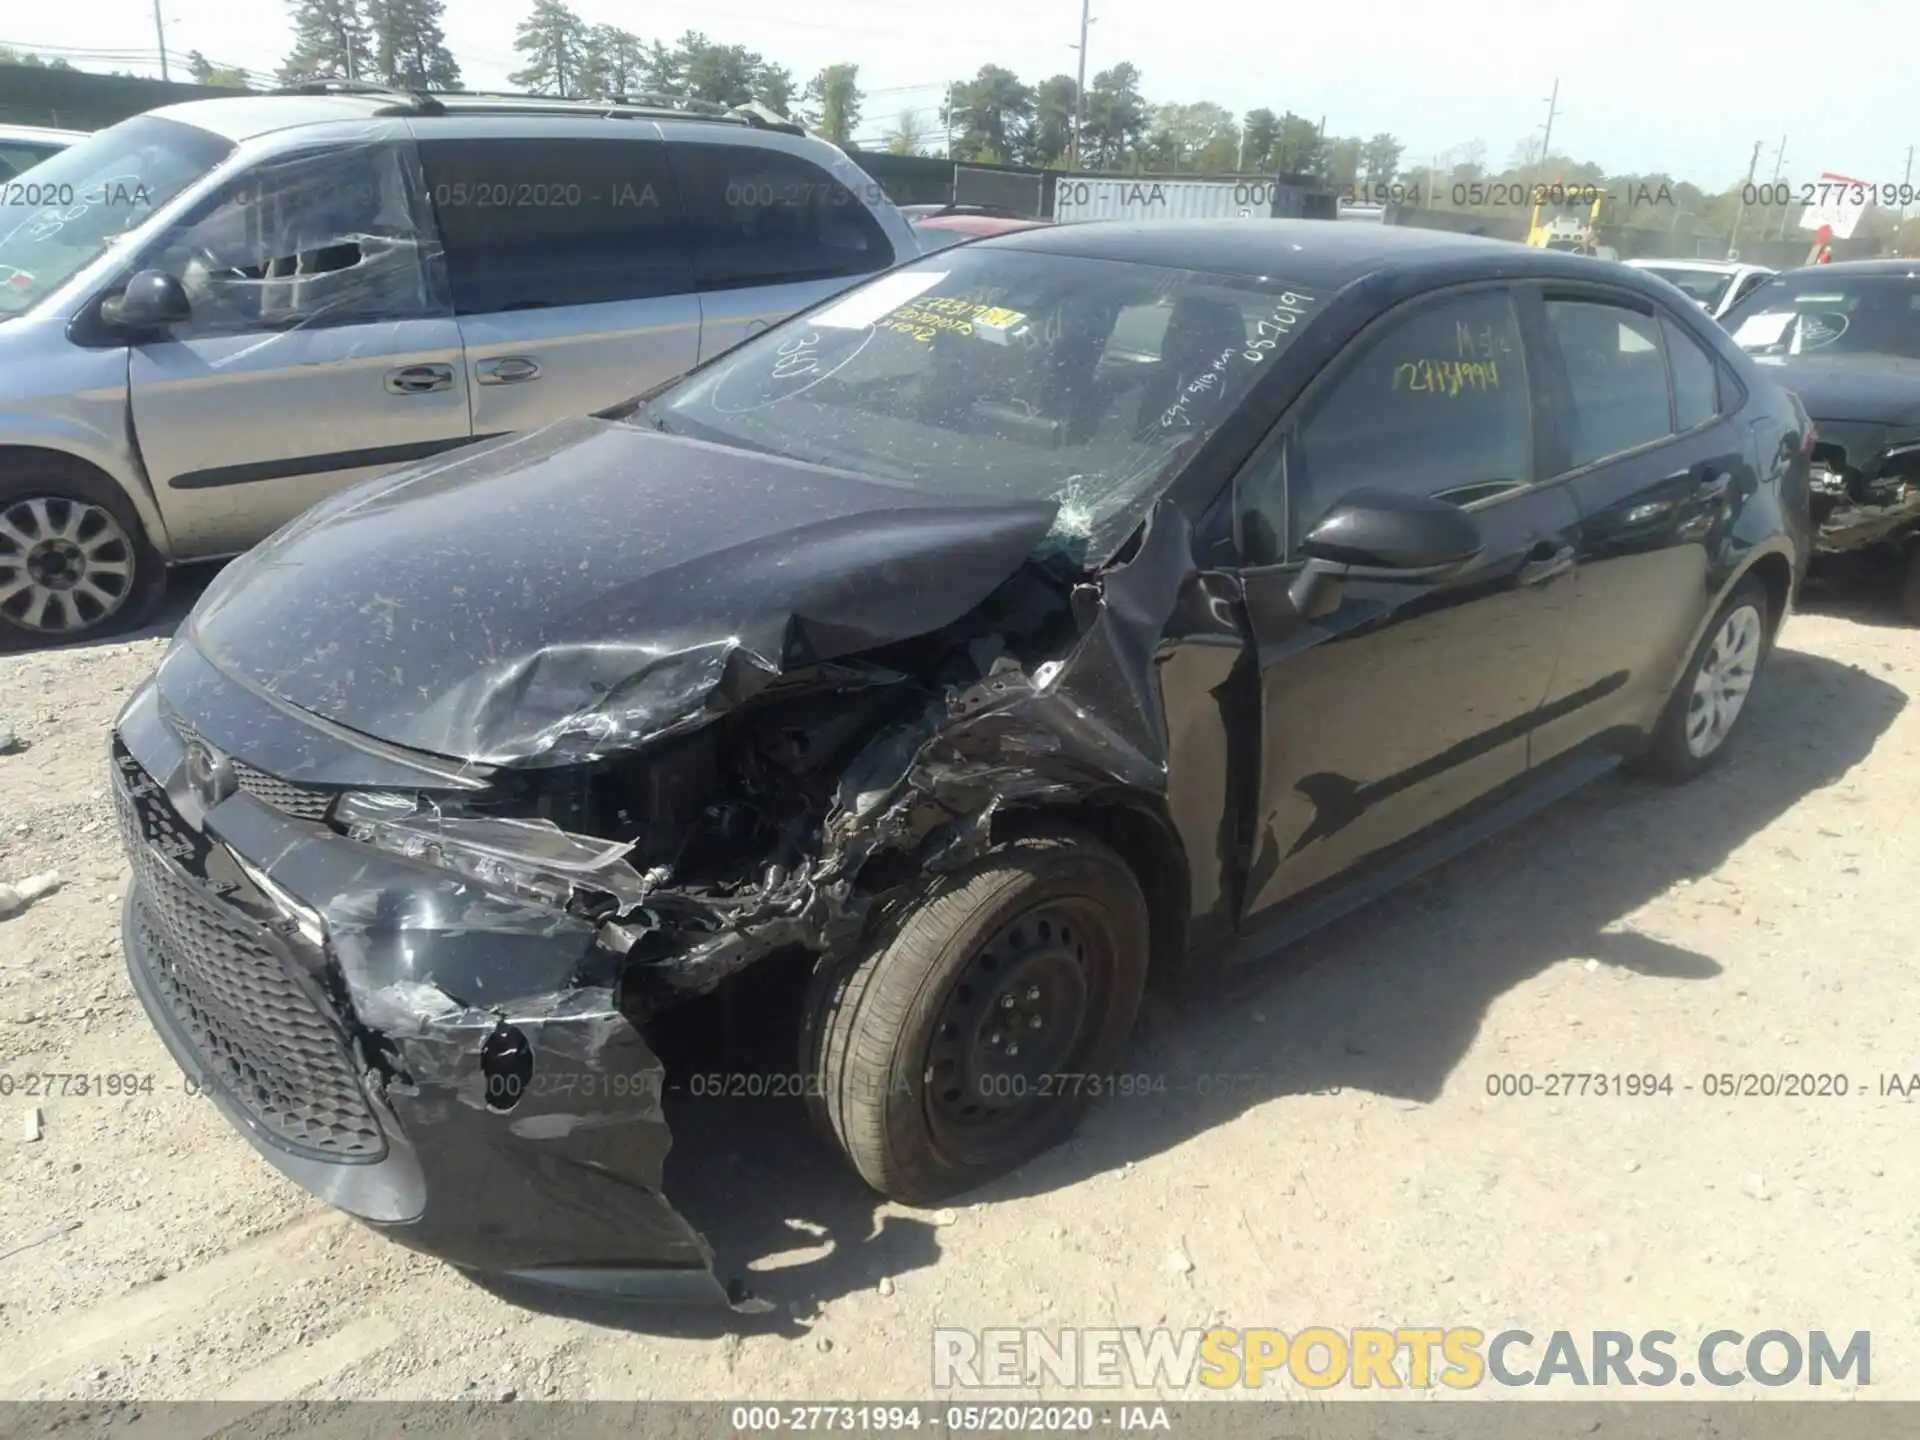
[74, 559]
[973, 1035]
[1712, 695]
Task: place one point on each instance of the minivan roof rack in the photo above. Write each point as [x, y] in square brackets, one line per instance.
[413, 101]
[647, 106]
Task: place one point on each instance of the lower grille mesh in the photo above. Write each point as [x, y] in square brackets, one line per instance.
[250, 1022]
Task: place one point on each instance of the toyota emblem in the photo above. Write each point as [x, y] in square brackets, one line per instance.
[210, 773]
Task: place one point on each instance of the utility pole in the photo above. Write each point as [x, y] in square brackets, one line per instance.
[1779, 157]
[160, 38]
[1080, 82]
[1906, 187]
[1553, 108]
[1733, 239]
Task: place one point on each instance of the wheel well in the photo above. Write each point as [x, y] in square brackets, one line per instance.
[18, 460]
[1776, 577]
[1145, 842]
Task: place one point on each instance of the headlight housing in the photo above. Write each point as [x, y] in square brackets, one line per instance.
[530, 860]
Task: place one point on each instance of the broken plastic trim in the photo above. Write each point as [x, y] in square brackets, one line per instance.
[531, 860]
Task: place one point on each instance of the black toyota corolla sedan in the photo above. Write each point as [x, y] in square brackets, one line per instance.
[1061, 609]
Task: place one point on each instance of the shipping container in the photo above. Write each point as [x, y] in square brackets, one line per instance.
[1146, 197]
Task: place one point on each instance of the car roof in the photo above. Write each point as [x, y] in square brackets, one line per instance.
[977, 224]
[41, 132]
[1310, 253]
[1893, 267]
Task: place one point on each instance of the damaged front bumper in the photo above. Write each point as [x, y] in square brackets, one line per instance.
[513, 1127]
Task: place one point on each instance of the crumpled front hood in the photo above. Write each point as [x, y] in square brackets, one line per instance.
[588, 587]
[1882, 389]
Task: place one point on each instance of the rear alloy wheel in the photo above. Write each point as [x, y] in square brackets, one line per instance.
[974, 1038]
[1713, 693]
[72, 563]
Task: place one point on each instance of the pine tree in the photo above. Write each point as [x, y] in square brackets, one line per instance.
[410, 45]
[555, 42]
[330, 37]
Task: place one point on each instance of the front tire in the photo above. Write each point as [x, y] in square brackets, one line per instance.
[973, 1036]
[75, 563]
[1712, 694]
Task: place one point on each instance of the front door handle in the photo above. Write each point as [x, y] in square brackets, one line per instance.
[419, 379]
[1544, 562]
[507, 370]
[1713, 487]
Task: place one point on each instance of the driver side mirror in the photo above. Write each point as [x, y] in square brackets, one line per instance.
[152, 300]
[1385, 537]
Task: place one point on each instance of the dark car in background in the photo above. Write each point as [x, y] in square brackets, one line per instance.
[1845, 339]
[1051, 611]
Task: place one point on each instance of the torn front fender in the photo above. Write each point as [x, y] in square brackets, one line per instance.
[1088, 725]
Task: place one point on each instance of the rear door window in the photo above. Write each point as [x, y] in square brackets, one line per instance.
[1616, 378]
[1696, 379]
[759, 216]
[556, 221]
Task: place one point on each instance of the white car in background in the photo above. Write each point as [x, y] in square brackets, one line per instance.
[1716, 286]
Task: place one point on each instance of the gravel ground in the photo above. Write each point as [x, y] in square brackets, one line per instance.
[1357, 1173]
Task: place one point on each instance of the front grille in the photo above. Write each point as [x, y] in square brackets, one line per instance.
[303, 802]
[230, 991]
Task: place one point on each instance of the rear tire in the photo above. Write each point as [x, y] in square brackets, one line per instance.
[973, 1035]
[75, 563]
[1713, 692]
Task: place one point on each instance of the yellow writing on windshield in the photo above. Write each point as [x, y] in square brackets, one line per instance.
[1446, 377]
[923, 319]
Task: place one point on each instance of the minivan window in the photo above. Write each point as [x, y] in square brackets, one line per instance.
[561, 220]
[991, 371]
[104, 187]
[758, 216]
[326, 236]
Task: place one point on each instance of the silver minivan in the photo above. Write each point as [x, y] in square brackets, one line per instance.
[215, 313]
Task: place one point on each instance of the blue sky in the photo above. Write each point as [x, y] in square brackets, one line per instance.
[1677, 85]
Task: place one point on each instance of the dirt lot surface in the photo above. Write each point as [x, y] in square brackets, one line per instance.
[1355, 1172]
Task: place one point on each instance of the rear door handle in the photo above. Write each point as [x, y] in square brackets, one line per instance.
[419, 379]
[507, 370]
[1544, 562]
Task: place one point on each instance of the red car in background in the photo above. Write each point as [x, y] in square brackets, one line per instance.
[939, 226]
